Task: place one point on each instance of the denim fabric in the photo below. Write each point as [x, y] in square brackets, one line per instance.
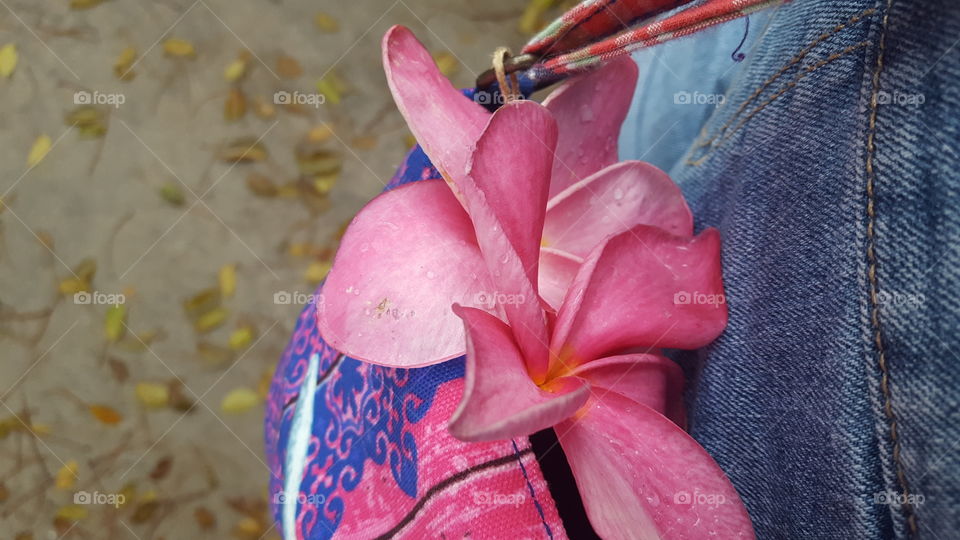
[831, 399]
[680, 87]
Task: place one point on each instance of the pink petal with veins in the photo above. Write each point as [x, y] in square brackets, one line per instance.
[614, 200]
[642, 477]
[590, 110]
[445, 123]
[391, 306]
[643, 288]
[500, 401]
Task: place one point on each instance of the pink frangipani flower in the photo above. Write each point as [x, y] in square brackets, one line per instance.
[589, 198]
[573, 341]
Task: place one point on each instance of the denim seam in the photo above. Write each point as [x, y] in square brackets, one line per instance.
[891, 415]
[789, 86]
[712, 143]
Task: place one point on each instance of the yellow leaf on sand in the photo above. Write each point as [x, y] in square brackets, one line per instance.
[532, 19]
[211, 320]
[317, 271]
[39, 150]
[447, 63]
[326, 23]
[105, 414]
[72, 512]
[85, 4]
[203, 302]
[332, 87]
[8, 59]
[73, 285]
[153, 395]
[171, 192]
[114, 325]
[241, 337]
[179, 47]
[240, 400]
[122, 67]
[235, 70]
[67, 475]
[235, 106]
[228, 280]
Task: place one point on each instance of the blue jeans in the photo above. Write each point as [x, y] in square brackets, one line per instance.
[831, 170]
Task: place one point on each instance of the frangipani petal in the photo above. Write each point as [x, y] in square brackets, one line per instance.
[557, 270]
[502, 198]
[500, 401]
[391, 306]
[614, 200]
[590, 110]
[444, 122]
[511, 171]
[649, 379]
[643, 288]
[642, 477]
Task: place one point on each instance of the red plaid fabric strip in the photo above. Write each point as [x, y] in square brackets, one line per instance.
[591, 21]
[684, 23]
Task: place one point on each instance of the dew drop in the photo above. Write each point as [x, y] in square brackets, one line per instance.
[586, 114]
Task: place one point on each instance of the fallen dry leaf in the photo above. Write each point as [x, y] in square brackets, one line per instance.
[241, 337]
[211, 320]
[235, 106]
[114, 323]
[326, 23]
[153, 395]
[67, 475]
[89, 121]
[235, 70]
[106, 414]
[239, 400]
[243, 150]
[39, 150]
[227, 277]
[179, 48]
[8, 59]
[122, 66]
[171, 192]
[316, 271]
[261, 186]
[288, 67]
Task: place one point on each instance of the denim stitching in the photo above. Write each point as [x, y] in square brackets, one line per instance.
[793, 61]
[907, 508]
[806, 71]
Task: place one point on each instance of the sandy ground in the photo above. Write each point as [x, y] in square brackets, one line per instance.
[71, 421]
